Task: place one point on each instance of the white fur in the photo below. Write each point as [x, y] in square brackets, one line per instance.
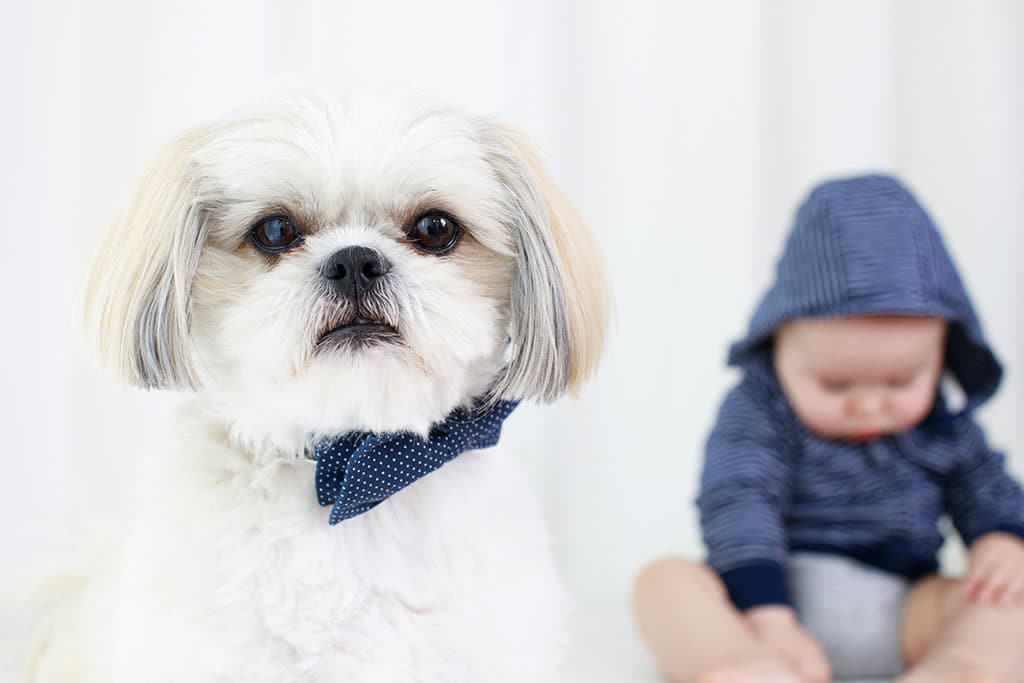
[230, 571]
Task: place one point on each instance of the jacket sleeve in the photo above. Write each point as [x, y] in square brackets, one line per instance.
[745, 491]
[981, 496]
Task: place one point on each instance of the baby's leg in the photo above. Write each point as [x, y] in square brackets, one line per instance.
[949, 639]
[695, 633]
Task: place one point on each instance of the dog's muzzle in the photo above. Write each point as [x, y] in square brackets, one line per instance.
[353, 275]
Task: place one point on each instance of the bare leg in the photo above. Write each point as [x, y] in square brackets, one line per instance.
[948, 639]
[694, 631]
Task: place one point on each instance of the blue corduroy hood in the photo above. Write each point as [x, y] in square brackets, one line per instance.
[864, 246]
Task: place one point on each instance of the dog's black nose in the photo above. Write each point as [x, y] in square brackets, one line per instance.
[353, 271]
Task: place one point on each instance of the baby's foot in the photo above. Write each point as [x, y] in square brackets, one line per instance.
[769, 671]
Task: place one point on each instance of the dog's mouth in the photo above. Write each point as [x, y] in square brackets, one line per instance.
[359, 330]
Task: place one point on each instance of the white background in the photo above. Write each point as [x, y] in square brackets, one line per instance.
[686, 131]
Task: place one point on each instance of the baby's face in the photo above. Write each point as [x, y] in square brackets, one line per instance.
[860, 378]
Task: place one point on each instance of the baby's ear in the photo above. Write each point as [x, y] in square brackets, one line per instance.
[560, 305]
[137, 297]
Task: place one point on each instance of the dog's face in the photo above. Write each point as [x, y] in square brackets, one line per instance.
[320, 262]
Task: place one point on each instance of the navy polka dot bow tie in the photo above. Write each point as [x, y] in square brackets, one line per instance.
[358, 470]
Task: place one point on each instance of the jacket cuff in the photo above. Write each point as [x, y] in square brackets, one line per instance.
[1005, 527]
[1014, 529]
[758, 584]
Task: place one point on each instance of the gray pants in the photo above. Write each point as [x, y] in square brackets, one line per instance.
[855, 611]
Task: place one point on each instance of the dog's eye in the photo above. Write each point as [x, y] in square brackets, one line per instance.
[435, 232]
[275, 235]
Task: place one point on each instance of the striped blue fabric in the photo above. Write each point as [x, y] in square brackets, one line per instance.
[770, 486]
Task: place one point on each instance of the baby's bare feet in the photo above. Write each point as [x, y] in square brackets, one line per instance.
[769, 671]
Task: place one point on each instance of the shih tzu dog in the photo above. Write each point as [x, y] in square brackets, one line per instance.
[354, 289]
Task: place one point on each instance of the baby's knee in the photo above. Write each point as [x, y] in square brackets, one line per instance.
[670, 576]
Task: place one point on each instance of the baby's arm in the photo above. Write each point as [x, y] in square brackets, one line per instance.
[745, 491]
[744, 497]
[987, 507]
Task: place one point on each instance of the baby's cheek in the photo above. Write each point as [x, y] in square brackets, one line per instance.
[822, 415]
[912, 408]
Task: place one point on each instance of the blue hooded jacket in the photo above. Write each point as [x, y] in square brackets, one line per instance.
[859, 246]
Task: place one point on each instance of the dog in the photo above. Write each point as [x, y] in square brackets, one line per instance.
[326, 264]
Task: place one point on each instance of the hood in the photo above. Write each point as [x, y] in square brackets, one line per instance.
[864, 246]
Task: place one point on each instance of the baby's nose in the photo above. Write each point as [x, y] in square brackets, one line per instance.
[870, 401]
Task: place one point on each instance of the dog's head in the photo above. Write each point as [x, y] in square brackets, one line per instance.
[319, 262]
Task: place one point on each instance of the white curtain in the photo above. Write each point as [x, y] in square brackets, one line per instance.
[686, 131]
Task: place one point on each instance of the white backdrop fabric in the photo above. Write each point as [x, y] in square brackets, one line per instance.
[686, 131]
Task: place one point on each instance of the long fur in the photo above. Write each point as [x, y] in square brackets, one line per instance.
[229, 570]
[560, 281]
[137, 296]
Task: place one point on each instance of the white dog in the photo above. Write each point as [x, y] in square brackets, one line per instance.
[318, 265]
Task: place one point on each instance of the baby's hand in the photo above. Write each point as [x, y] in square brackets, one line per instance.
[996, 572]
[778, 626]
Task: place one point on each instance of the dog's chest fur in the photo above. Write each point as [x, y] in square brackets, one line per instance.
[233, 573]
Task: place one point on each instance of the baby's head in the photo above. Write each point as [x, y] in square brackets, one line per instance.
[860, 377]
[866, 313]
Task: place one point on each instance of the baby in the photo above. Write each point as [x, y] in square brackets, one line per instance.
[831, 463]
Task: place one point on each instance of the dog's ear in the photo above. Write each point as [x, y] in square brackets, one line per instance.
[136, 303]
[559, 306]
